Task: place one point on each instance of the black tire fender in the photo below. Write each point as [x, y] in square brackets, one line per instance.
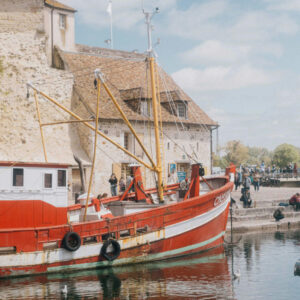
[71, 241]
[116, 250]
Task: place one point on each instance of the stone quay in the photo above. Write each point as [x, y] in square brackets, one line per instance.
[259, 217]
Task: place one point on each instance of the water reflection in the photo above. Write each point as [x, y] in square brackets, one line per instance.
[202, 276]
[266, 263]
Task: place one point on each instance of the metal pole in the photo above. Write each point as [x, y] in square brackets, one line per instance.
[148, 22]
[41, 129]
[111, 28]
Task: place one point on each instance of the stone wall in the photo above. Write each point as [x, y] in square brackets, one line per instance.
[21, 15]
[23, 59]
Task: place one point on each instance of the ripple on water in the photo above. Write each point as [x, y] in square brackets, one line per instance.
[266, 263]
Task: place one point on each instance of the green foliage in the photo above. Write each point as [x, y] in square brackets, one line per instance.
[285, 154]
[219, 161]
[258, 155]
[236, 153]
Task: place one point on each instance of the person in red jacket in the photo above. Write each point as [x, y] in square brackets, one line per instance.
[295, 201]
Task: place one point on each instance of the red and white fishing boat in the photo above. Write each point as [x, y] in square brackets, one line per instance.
[40, 233]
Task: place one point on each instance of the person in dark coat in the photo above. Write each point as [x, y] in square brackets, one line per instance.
[113, 184]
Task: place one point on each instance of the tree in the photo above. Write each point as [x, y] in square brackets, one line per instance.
[257, 155]
[285, 154]
[236, 152]
[219, 161]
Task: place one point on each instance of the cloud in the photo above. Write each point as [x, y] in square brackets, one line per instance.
[284, 5]
[222, 78]
[203, 21]
[126, 14]
[213, 51]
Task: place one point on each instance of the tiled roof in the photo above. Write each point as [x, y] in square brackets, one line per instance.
[58, 5]
[127, 76]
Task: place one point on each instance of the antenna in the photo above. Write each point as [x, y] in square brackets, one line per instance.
[148, 18]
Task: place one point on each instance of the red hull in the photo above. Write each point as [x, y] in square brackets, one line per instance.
[172, 230]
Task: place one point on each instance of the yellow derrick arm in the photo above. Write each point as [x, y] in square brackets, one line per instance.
[40, 123]
[66, 122]
[92, 128]
[127, 122]
[95, 148]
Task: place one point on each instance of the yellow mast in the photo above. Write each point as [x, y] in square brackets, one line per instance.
[156, 131]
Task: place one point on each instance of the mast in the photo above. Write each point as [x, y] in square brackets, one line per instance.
[158, 169]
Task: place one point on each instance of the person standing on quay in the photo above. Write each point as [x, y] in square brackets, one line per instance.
[256, 181]
[113, 184]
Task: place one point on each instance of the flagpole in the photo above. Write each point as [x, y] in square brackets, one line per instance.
[109, 10]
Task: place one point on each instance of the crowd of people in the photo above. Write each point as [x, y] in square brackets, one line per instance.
[257, 173]
[247, 176]
[113, 180]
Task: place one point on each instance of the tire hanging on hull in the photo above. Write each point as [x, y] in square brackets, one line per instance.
[71, 241]
[110, 256]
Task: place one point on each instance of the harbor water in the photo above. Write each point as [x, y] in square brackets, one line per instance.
[260, 266]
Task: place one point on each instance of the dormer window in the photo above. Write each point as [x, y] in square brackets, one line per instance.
[62, 21]
[146, 108]
[182, 110]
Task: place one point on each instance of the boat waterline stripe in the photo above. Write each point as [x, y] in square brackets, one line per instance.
[136, 259]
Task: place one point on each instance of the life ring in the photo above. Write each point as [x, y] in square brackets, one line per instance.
[111, 255]
[71, 241]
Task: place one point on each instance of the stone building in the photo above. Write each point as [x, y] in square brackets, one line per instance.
[37, 39]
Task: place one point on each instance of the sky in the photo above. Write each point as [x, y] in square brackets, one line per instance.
[238, 60]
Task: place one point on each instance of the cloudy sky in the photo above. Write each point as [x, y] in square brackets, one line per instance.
[239, 60]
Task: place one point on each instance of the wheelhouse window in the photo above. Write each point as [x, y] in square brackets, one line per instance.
[181, 110]
[61, 178]
[48, 181]
[62, 21]
[18, 177]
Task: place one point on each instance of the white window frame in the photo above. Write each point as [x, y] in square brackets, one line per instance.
[62, 186]
[52, 181]
[12, 178]
[146, 108]
[62, 21]
[182, 105]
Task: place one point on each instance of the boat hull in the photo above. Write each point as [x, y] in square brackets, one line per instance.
[184, 233]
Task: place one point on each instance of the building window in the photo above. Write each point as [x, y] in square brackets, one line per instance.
[181, 110]
[18, 177]
[146, 108]
[48, 181]
[61, 178]
[62, 21]
[126, 140]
